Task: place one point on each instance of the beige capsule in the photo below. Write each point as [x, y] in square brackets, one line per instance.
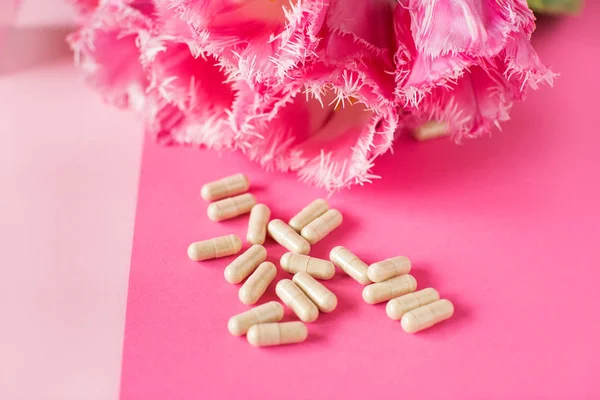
[283, 234]
[245, 264]
[396, 308]
[257, 224]
[269, 312]
[316, 292]
[315, 267]
[382, 270]
[231, 207]
[431, 130]
[322, 226]
[350, 264]
[276, 333]
[256, 285]
[427, 316]
[308, 214]
[386, 290]
[294, 298]
[226, 187]
[214, 248]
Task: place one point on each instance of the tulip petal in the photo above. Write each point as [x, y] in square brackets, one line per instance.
[107, 51]
[256, 40]
[479, 28]
[190, 98]
[329, 130]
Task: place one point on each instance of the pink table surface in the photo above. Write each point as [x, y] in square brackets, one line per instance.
[507, 228]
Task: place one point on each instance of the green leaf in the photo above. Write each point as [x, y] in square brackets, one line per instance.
[556, 6]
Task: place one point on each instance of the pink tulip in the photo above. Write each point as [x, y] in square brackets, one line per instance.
[465, 62]
[332, 117]
[256, 40]
[310, 86]
[106, 49]
[182, 99]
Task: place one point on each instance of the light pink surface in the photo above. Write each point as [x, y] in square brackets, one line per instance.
[507, 228]
[44, 13]
[68, 182]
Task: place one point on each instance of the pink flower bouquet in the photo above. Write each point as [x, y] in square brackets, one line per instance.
[312, 86]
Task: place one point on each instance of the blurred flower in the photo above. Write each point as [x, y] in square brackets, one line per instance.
[84, 7]
[465, 62]
[310, 86]
[128, 53]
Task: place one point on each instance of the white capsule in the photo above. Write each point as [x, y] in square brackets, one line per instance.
[322, 226]
[283, 234]
[350, 264]
[427, 316]
[245, 264]
[231, 207]
[256, 285]
[382, 270]
[315, 267]
[386, 290]
[318, 293]
[257, 225]
[226, 187]
[399, 306]
[214, 248]
[308, 214]
[277, 333]
[294, 298]
[269, 312]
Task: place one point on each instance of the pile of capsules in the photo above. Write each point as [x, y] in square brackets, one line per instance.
[386, 280]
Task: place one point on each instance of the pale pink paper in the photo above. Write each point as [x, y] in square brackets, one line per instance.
[8, 11]
[506, 228]
[66, 187]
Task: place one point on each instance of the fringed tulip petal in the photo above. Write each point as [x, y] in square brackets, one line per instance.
[107, 51]
[256, 40]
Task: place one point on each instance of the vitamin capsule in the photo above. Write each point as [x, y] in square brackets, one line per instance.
[294, 298]
[231, 207]
[386, 290]
[226, 187]
[254, 287]
[214, 248]
[287, 237]
[315, 267]
[322, 226]
[319, 294]
[257, 225]
[245, 264]
[431, 130]
[308, 214]
[269, 312]
[276, 333]
[399, 306]
[350, 264]
[427, 316]
[386, 269]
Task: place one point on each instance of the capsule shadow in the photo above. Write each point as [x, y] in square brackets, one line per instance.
[423, 274]
[452, 326]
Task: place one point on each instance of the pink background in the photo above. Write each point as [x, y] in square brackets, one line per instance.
[506, 227]
[69, 169]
